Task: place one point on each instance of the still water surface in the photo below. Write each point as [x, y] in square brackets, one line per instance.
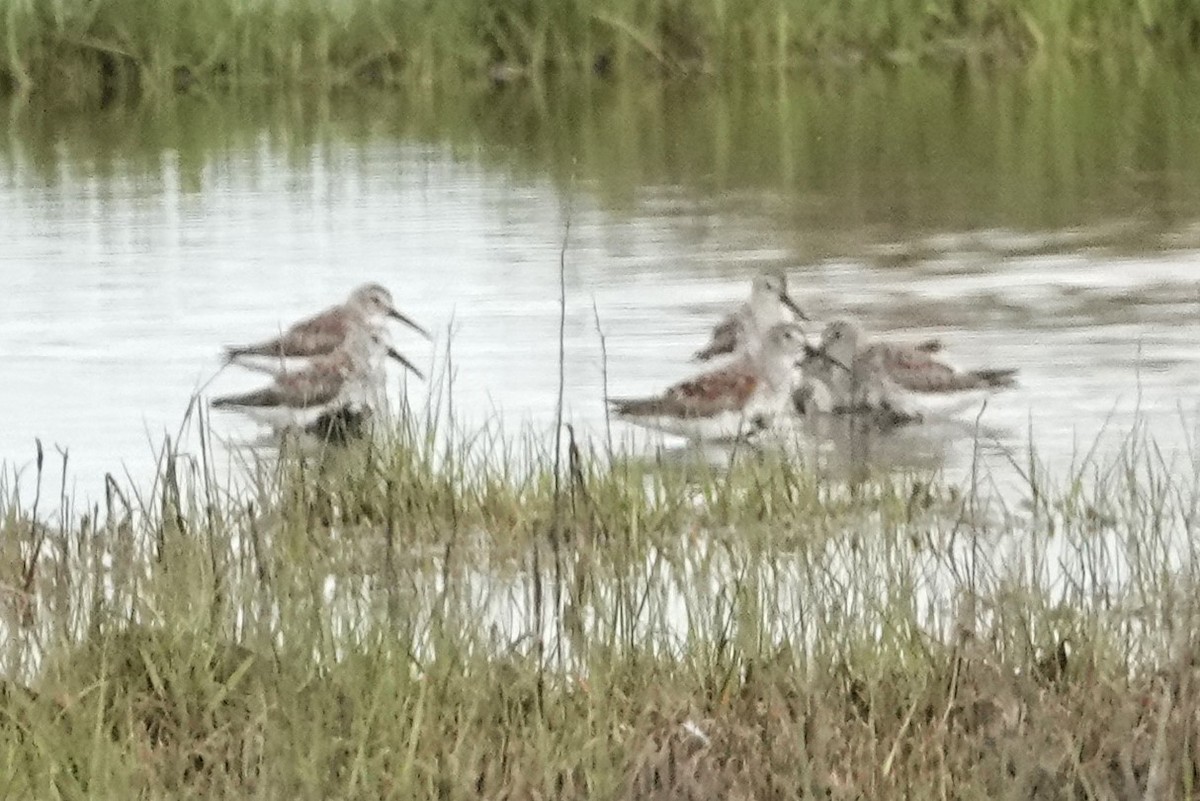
[1045, 221]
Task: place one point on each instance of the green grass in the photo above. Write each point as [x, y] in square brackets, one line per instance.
[51, 44]
[441, 614]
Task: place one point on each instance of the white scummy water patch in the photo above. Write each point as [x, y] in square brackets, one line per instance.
[933, 575]
[683, 599]
[1116, 543]
[702, 588]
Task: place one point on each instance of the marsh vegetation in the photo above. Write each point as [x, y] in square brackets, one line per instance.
[471, 610]
[117, 45]
[463, 614]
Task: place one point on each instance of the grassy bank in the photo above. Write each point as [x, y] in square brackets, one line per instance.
[171, 43]
[411, 620]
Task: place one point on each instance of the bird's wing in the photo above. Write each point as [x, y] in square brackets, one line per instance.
[914, 368]
[318, 385]
[314, 336]
[723, 390]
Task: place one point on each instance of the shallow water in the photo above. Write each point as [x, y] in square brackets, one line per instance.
[1043, 220]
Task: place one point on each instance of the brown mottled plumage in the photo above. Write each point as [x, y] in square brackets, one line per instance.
[349, 376]
[889, 375]
[727, 402]
[325, 332]
[915, 369]
[723, 390]
[316, 385]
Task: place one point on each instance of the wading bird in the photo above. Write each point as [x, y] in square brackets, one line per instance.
[349, 377]
[769, 305]
[731, 401]
[903, 381]
[323, 333]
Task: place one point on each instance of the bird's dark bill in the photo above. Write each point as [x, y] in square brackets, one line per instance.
[395, 354]
[820, 353]
[793, 305]
[395, 315]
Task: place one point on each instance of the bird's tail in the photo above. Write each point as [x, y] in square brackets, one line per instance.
[224, 402]
[235, 352]
[996, 379]
[635, 407]
[930, 346]
[262, 397]
[270, 350]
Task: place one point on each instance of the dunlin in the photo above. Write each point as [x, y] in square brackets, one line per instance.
[820, 375]
[350, 376]
[769, 305]
[898, 379]
[325, 332]
[728, 402]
